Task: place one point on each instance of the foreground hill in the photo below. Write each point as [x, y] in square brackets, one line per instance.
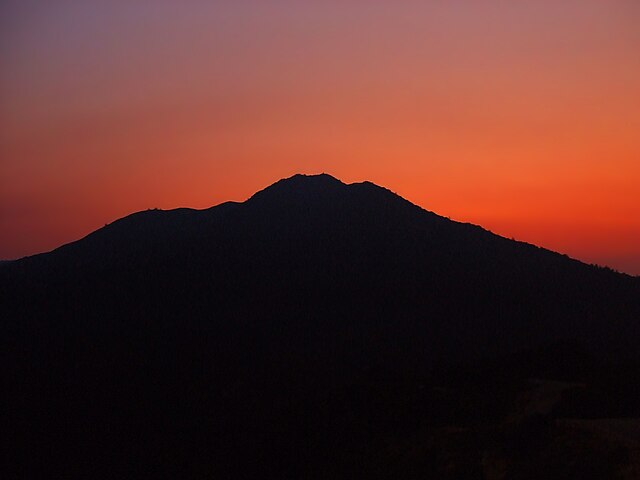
[274, 334]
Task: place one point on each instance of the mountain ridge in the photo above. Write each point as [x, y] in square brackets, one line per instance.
[324, 233]
[307, 332]
[285, 187]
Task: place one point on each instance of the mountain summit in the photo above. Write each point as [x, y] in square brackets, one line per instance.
[229, 326]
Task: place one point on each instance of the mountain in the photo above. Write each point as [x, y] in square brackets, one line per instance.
[244, 337]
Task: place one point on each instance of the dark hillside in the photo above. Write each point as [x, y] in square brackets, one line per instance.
[316, 324]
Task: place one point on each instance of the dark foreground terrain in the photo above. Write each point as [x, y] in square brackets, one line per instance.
[317, 330]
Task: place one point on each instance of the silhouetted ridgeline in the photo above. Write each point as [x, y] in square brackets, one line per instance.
[289, 334]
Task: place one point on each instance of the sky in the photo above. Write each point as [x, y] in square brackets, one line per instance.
[520, 116]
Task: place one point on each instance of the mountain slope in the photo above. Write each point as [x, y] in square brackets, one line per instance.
[230, 326]
[314, 243]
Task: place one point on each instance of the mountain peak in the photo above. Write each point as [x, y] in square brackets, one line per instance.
[305, 179]
[300, 186]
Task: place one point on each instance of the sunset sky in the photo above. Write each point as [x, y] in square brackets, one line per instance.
[520, 116]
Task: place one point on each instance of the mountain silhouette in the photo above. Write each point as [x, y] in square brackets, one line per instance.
[231, 339]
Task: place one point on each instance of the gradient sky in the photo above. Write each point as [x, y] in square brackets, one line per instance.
[521, 116]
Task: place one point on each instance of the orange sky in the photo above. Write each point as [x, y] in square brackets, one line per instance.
[521, 116]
